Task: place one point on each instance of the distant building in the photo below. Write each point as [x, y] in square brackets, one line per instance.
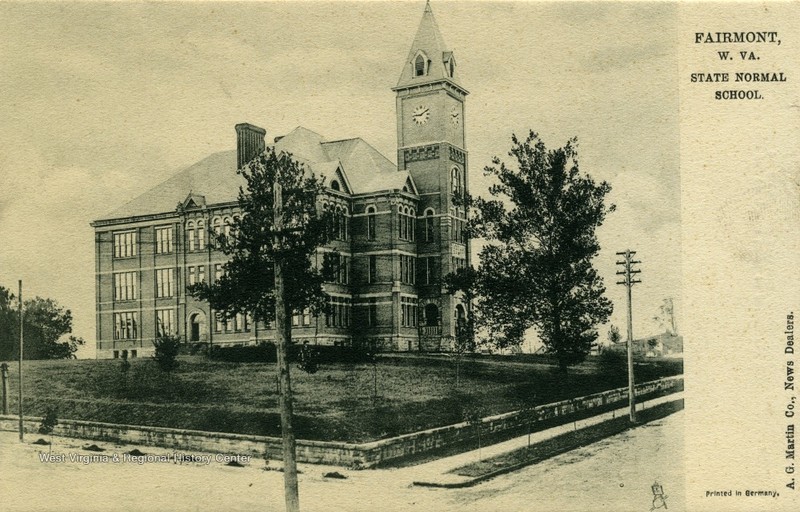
[398, 231]
[661, 345]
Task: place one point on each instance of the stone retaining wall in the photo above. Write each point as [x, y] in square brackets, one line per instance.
[338, 453]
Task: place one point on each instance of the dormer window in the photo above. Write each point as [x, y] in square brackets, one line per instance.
[419, 66]
[335, 185]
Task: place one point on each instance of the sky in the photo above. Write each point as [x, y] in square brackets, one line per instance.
[102, 101]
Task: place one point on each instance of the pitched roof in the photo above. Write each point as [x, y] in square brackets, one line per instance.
[363, 168]
[428, 40]
[202, 178]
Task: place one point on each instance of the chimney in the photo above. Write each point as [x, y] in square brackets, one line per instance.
[249, 143]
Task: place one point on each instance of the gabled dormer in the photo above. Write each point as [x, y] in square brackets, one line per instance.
[339, 181]
[193, 201]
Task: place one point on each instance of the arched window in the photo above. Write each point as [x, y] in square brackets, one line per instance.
[339, 228]
[431, 315]
[419, 65]
[227, 226]
[216, 226]
[411, 223]
[201, 235]
[429, 225]
[335, 185]
[400, 222]
[344, 223]
[371, 222]
[459, 317]
[190, 236]
[455, 177]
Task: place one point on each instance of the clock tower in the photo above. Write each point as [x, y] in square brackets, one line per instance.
[431, 147]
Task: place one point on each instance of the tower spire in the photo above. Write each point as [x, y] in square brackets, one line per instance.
[429, 59]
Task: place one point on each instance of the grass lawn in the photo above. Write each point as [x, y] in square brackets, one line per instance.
[337, 403]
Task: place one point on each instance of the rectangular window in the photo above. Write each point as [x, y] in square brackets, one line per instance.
[190, 236]
[408, 312]
[428, 272]
[201, 274]
[218, 272]
[372, 271]
[165, 322]
[165, 282]
[126, 325]
[371, 226]
[192, 275]
[295, 320]
[125, 244]
[337, 312]
[220, 323]
[429, 228]
[238, 322]
[201, 237]
[407, 269]
[344, 263]
[125, 286]
[306, 317]
[164, 240]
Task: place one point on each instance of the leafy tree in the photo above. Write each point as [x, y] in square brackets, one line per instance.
[536, 268]
[463, 281]
[248, 281]
[45, 324]
[263, 245]
[666, 317]
[613, 335]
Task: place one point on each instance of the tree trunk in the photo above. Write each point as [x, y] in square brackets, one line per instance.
[283, 335]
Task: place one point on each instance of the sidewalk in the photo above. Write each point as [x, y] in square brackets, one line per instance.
[438, 471]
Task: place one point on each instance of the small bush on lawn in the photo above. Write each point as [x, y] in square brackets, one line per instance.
[49, 421]
[166, 352]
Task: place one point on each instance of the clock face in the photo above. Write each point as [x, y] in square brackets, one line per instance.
[421, 114]
[455, 116]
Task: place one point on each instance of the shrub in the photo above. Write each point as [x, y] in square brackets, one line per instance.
[166, 352]
[308, 359]
[49, 421]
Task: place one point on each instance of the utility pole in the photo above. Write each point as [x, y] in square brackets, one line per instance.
[628, 273]
[21, 326]
[291, 493]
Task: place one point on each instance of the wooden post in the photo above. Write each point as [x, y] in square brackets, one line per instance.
[628, 273]
[21, 327]
[4, 372]
[282, 334]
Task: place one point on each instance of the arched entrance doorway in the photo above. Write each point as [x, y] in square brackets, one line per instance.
[197, 326]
